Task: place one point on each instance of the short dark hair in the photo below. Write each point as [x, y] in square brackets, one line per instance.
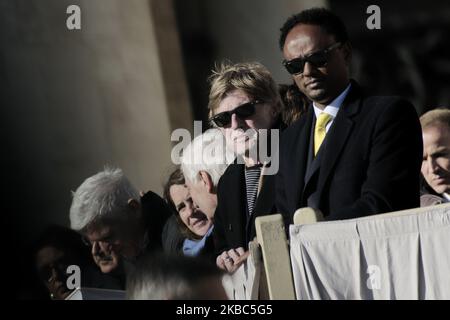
[177, 178]
[295, 103]
[322, 17]
[65, 240]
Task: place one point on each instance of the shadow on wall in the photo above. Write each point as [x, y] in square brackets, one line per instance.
[409, 56]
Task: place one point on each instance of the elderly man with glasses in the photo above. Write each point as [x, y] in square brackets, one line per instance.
[351, 154]
[115, 221]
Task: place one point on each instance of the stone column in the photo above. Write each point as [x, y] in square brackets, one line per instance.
[75, 100]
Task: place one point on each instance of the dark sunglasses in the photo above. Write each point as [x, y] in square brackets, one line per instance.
[242, 112]
[110, 240]
[317, 59]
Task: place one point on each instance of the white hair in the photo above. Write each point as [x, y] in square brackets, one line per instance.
[159, 289]
[207, 152]
[161, 277]
[104, 195]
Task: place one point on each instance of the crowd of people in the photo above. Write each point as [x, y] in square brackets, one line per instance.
[341, 151]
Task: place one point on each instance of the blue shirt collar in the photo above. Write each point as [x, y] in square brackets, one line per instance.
[193, 247]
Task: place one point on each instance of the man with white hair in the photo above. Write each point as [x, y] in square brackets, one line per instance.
[203, 162]
[112, 217]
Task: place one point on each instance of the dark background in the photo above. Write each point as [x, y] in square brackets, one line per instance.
[409, 56]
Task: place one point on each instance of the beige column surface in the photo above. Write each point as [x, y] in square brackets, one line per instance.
[110, 93]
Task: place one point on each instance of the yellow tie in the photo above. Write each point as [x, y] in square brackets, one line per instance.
[320, 130]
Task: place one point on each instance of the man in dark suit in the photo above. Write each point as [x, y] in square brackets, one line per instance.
[244, 103]
[350, 155]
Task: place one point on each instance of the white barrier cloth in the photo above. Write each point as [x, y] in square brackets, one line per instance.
[380, 257]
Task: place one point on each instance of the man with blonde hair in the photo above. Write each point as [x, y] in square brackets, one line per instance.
[436, 157]
[245, 105]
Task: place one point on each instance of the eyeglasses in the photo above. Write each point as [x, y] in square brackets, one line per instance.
[108, 241]
[243, 112]
[317, 59]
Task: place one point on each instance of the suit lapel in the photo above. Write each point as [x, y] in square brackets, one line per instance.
[338, 135]
[298, 162]
[265, 199]
[313, 163]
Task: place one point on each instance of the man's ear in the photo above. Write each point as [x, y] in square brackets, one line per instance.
[207, 181]
[134, 204]
[347, 50]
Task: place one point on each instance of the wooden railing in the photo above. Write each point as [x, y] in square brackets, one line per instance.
[271, 237]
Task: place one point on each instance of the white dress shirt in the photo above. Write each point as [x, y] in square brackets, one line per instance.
[333, 108]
